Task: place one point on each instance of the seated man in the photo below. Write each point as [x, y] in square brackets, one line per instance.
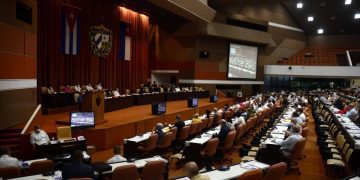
[352, 113]
[159, 132]
[117, 155]
[116, 93]
[6, 160]
[89, 87]
[39, 136]
[98, 86]
[288, 144]
[179, 124]
[50, 90]
[76, 168]
[192, 172]
[224, 131]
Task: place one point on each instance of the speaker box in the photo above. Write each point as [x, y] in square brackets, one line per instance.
[204, 54]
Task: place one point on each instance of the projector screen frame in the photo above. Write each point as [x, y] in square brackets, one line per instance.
[228, 60]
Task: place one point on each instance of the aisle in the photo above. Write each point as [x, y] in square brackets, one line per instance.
[312, 166]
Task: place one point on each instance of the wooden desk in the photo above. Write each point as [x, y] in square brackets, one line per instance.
[114, 104]
[148, 98]
[53, 150]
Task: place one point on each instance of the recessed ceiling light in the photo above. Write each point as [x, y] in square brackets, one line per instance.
[320, 31]
[310, 18]
[347, 2]
[357, 16]
[299, 5]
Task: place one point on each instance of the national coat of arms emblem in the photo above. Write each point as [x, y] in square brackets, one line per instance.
[100, 40]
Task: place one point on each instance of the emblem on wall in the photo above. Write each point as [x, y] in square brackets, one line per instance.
[100, 40]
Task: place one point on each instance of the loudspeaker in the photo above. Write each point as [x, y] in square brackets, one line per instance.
[204, 54]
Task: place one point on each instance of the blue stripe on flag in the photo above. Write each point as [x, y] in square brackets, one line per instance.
[71, 41]
[78, 35]
[63, 32]
[122, 32]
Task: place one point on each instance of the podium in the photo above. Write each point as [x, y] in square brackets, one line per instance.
[94, 101]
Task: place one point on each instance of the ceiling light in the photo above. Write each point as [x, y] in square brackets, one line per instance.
[299, 5]
[310, 18]
[357, 16]
[347, 2]
[320, 31]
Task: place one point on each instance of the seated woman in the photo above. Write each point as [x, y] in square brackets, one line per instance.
[196, 118]
[66, 88]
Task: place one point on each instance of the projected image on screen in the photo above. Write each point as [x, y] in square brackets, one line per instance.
[242, 61]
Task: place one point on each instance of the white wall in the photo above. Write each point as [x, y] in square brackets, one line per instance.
[313, 71]
[12, 84]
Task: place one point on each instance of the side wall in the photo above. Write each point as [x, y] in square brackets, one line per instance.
[17, 64]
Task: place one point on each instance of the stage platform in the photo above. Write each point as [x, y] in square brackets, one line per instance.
[126, 123]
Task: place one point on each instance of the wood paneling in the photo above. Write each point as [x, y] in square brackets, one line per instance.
[16, 106]
[17, 53]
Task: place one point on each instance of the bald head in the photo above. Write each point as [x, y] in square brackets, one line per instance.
[191, 169]
[296, 129]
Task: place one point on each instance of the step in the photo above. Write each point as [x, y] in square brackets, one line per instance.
[4, 131]
[9, 140]
[10, 135]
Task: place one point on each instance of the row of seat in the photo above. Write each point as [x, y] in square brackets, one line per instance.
[37, 167]
[276, 171]
[251, 152]
[334, 148]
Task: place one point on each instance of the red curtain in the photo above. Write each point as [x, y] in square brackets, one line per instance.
[56, 68]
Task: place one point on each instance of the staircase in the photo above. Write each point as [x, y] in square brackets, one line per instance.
[11, 138]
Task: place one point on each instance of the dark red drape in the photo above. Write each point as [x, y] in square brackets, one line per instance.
[56, 68]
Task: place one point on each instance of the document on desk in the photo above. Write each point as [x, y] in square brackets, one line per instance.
[140, 138]
[203, 139]
[258, 164]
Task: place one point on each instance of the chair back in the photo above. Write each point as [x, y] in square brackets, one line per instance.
[305, 132]
[211, 146]
[193, 128]
[128, 171]
[199, 127]
[43, 90]
[229, 141]
[210, 122]
[241, 131]
[174, 131]
[184, 133]
[10, 172]
[298, 149]
[153, 170]
[63, 132]
[127, 91]
[251, 175]
[276, 171]
[39, 167]
[151, 142]
[168, 137]
[348, 154]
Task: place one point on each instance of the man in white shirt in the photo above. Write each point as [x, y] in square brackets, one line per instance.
[352, 113]
[98, 87]
[39, 136]
[6, 160]
[77, 88]
[116, 93]
[288, 144]
[117, 156]
[89, 87]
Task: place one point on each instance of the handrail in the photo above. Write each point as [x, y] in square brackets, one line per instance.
[348, 58]
[31, 119]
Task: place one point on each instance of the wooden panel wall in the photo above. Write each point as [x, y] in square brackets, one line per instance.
[18, 47]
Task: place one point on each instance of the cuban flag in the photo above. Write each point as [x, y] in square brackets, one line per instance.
[124, 41]
[70, 29]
